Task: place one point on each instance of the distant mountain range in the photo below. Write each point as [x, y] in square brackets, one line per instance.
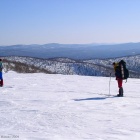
[73, 51]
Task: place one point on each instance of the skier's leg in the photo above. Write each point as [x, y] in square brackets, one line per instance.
[120, 87]
[1, 82]
[120, 83]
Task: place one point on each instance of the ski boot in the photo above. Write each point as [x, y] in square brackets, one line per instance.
[120, 92]
[1, 82]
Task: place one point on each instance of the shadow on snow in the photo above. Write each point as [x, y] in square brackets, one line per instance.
[95, 98]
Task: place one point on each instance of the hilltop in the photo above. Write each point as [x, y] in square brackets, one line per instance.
[64, 107]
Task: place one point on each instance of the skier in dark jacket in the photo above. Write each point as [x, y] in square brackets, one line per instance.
[118, 78]
[1, 78]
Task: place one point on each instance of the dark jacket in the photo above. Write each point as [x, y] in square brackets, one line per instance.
[117, 70]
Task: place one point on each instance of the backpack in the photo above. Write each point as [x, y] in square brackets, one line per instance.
[124, 70]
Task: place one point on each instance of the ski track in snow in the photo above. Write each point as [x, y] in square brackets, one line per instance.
[66, 107]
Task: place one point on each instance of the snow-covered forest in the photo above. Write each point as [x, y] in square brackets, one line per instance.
[94, 67]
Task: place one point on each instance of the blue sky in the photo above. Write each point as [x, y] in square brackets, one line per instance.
[69, 21]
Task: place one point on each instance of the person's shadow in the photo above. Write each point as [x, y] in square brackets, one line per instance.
[95, 98]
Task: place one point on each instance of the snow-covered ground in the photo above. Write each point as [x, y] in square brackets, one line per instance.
[68, 107]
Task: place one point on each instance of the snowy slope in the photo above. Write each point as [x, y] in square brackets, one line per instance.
[68, 107]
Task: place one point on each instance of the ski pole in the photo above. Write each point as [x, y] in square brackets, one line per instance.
[109, 83]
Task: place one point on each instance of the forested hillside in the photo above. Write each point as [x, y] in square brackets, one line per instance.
[93, 67]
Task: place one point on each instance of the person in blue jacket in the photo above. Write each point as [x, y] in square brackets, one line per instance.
[1, 78]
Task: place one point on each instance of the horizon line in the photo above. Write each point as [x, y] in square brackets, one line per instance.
[71, 44]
